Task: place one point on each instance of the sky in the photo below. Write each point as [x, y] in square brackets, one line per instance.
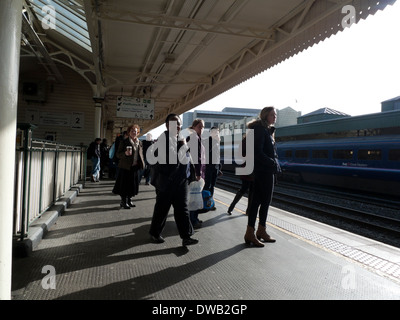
[352, 72]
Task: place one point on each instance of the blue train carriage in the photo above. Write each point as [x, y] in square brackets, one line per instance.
[360, 163]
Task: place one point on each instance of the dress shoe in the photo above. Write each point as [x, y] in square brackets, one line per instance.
[124, 205]
[158, 239]
[130, 203]
[189, 242]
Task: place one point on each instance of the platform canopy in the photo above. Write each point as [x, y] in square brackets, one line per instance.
[179, 53]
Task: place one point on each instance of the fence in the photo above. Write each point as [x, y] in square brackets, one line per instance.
[44, 172]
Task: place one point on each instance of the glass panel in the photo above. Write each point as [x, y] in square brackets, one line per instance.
[320, 154]
[288, 153]
[342, 154]
[301, 153]
[64, 16]
[366, 154]
[394, 154]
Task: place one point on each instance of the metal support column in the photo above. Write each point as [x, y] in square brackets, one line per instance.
[10, 39]
[97, 118]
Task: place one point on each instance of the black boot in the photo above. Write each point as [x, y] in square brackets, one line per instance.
[129, 202]
[124, 203]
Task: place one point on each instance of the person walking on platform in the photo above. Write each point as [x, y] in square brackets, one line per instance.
[115, 159]
[247, 180]
[93, 153]
[130, 155]
[104, 157]
[245, 187]
[146, 144]
[170, 176]
[194, 139]
[265, 167]
[213, 165]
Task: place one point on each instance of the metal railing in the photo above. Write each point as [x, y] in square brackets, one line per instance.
[44, 172]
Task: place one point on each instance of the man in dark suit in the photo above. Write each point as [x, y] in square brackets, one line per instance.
[170, 175]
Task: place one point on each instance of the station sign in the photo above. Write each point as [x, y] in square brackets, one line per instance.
[138, 108]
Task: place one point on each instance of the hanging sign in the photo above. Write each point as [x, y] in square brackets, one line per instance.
[139, 108]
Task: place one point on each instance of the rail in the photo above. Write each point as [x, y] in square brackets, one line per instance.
[44, 172]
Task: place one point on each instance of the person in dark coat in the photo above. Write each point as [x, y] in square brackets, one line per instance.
[194, 139]
[104, 157]
[213, 164]
[266, 165]
[171, 173]
[247, 180]
[131, 161]
[115, 159]
[146, 144]
[94, 155]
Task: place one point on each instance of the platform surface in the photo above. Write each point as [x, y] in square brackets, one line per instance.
[98, 251]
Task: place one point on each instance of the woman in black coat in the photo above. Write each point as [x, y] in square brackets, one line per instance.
[265, 167]
[130, 155]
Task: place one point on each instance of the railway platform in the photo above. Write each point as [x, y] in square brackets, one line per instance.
[95, 250]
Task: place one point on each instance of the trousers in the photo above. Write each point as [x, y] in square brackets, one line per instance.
[175, 195]
[261, 195]
[96, 167]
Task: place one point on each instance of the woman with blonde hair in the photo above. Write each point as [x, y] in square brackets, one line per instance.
[131, 161]
[265, 167]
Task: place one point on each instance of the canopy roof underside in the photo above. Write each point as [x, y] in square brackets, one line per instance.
[180, 53]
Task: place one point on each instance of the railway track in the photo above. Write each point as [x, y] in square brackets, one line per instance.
[370, 217]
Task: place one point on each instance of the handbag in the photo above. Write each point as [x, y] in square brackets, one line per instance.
[195, 198]
[208, 201]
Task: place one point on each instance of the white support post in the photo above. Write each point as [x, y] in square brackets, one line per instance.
[97, 120]
[10, 39]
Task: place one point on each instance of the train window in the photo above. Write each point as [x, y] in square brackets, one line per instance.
[342, 154]
[367, 154]
[288, 153]
[394, 154]
[301, 153]
[320, 154]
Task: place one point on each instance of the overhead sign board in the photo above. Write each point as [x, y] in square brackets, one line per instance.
[139, 108]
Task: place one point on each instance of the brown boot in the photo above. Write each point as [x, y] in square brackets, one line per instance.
[262, 234]
[249, 237]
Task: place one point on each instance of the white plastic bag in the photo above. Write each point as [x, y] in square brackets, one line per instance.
[195, 196]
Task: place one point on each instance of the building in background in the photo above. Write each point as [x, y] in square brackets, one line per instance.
[321, 114]
[391, 104]
[216, 118]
